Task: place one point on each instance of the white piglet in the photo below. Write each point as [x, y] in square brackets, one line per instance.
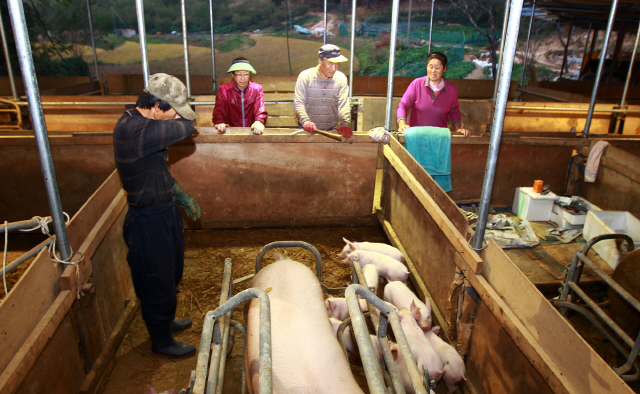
[421, 349]
[372, 247]
[401, 296]
[402, 370]
[453, 364]
[370, 273]
[349, 343]
[387, 266]
[338, 309]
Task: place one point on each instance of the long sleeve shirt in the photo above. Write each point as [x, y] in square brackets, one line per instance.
[323, 102]
[140, 151]
[426, 108]
[239, 108]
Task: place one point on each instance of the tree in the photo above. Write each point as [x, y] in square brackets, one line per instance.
[483, 12]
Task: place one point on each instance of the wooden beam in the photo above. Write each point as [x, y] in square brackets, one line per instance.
[13, 376]
[102, 367]
[472, 262]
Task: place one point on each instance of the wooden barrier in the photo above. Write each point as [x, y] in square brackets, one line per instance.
[44, 83]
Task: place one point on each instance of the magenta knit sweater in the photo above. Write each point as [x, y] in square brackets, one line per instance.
[426, 109]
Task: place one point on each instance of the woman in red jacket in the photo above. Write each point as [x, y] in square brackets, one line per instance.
[240, 103]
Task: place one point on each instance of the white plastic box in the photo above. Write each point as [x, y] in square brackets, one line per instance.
[567, 219]
[610, 222]
[532, 206]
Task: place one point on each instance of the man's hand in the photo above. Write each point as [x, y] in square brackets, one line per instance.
[309, 127]
[403, 128]
[345, 131]
[186, 202]
[222, 128]
[257, 127]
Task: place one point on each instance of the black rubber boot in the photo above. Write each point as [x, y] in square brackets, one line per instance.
[163, 343]
[177, 349]
[179, 325]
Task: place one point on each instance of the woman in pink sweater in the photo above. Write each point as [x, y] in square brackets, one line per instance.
[431, 99]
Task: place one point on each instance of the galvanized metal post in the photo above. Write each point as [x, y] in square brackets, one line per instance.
[93, 41]
[603, 55]
[392, 60]
[526, 48]
[505, 26]
[324, 34]
[498, 119]
[214, 80]
[142, 32]
[409, 23]
[353, 46]
[185, 43]
[433, 4]
[23, 47]
[633, 59]
[8, 60]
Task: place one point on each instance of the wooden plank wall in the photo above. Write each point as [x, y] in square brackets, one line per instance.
[79, 118]
[43, 354]
[606, 92]
[617, 185]
[44, 83]
[519, 343]
[242, 180]
[279, 106]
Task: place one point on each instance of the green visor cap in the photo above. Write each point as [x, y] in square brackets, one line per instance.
[241, 65]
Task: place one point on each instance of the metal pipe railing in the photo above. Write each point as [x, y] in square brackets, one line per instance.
[526, 47]
[505, 24]
[142, 33]
[603, 55]
[24, 224]
[8, 59]
[29, 78]
[409, 23]
[353, 46]
[214, 79]
[324, 24]
[498, 119]
[433, 5]
[392, 61]
[224, 327]
[633, 59]
[185, 43]
[93, 41]
[32, 252]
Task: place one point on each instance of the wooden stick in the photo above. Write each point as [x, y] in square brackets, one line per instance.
[336, 137]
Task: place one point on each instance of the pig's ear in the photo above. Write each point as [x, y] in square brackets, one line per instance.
[151, 390]
[415, 312]
[351, 245]
[332, 303]
[436, 330]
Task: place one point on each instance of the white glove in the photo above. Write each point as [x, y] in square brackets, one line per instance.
[257, 127]
[222, 128]
[379, 134]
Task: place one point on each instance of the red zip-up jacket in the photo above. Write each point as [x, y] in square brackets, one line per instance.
[239, 108]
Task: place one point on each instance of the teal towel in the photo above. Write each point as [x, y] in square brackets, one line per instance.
[431, 147]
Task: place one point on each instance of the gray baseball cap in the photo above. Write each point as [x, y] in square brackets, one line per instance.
[331, 53]
[170, 89]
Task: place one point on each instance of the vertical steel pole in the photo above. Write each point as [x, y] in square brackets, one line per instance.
[566, 50]
[324, 34]
[12, 81]
[23, 47]
[392, 60]
[214, 80]
[505, 26]
[526, 48]
[498, 119]
[353, 46]
[142, 32]
[633, 59]
[603, 55]
[185, 43]
[93, 41]
[409, 24]
[433, 4]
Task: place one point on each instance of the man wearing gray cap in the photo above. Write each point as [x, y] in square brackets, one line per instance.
[153, 228]
[321, 99]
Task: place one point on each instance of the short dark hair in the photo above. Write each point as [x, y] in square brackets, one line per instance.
[439, 56]
[148, 101]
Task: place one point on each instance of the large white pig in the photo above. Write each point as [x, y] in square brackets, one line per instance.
[306, 356]
[453, 364]
[387, 266]
[402, 370]
[337, 307]
[372, 247]
[370, 273]
[401, 296]
[421, 349]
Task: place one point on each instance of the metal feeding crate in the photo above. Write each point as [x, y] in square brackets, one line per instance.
[208, 376]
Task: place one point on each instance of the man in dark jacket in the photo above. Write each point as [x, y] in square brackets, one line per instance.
[240, 103]
[153, 228]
